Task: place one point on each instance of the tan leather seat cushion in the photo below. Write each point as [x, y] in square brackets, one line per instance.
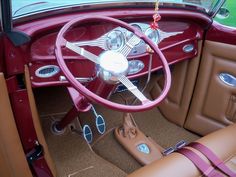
[222, 143]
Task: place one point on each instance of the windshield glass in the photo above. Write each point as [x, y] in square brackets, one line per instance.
[27, 7]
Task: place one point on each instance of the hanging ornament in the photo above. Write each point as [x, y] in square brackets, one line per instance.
[156, 17]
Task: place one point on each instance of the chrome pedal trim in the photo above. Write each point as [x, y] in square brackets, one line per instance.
[100, 124]
[100, 121]
[87, 133]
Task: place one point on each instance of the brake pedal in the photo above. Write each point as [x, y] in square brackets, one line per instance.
[100, 122]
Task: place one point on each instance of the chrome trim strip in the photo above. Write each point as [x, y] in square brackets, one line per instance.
[164, 35]
[80, 79]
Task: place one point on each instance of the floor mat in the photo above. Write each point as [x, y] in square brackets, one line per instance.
[74, 158]
[153, 124]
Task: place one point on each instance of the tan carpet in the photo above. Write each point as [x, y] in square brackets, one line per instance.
[153, 124]
[74, 158]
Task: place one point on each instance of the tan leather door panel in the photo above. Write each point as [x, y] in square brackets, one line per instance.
[175, 106]
[214, 102]
[37, 123]
[12, 158]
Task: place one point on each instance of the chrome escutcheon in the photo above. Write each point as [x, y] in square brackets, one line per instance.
[143, 148]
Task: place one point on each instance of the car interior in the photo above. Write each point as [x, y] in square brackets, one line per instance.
[98, 92]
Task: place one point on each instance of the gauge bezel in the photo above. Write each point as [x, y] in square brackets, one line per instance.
[122, 40]
[156, 32]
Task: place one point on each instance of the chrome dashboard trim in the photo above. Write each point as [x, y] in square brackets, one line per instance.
[49, 74]
[188, 48]
[138, 49]
[80, 79]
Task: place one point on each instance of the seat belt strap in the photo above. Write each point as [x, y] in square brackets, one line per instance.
[217, 162]
[203, 166]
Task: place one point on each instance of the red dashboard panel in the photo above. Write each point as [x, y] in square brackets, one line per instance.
[42, 50]
[44, 36]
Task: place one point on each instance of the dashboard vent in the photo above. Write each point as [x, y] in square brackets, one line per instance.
[47, 71]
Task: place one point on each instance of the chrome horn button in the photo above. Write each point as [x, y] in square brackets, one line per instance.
[112, 65]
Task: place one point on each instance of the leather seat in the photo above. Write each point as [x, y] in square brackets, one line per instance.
[222, 143]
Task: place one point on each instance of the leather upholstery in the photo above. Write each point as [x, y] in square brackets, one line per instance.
[175, 107]
[37, 123]
[222, 143]
[12, 158]
[130, 137]
[214, 103]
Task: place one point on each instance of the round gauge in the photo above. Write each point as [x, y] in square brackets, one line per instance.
[130, 34]
[115, 40]
[153, 35]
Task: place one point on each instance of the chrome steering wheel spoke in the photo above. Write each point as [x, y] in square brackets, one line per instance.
[82, 52]
[133, 89]
[99, 42]
[134, 40]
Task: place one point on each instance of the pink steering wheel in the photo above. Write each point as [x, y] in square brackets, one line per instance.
[146, 103]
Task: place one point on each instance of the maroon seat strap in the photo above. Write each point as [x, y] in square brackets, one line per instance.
[212, 158]
[203, 166]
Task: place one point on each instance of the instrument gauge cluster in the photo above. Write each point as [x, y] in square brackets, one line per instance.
[115, 39]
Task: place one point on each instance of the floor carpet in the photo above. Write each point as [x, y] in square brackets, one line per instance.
[153, 124]
[74, 158]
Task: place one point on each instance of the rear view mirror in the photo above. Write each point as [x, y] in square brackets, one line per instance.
[223, 13]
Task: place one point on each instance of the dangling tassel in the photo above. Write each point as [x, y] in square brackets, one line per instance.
[156, 17]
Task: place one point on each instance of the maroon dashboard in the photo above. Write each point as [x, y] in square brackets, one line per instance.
[177, 38]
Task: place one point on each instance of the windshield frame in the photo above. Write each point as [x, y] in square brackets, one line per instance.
[106, 5]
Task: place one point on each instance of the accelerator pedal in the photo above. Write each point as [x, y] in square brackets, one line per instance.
[100, 122]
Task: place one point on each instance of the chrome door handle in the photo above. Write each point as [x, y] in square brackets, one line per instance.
[228, 79]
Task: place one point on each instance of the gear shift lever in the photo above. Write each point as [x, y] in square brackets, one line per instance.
[141, 147]
[129, 126]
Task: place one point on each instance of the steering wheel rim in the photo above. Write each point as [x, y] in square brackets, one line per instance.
[60, 41]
